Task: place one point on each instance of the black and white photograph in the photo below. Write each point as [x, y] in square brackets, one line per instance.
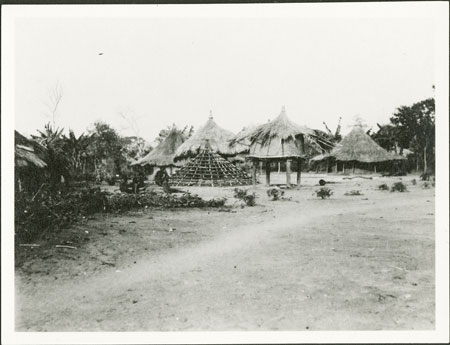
[225, 173]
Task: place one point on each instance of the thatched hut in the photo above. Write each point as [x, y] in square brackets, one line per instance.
[163, 155]
[28, 162]
[358, 150]
[241, 144]
[279, 140]
[217, 137]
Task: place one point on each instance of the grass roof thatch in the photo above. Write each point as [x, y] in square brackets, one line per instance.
[164, 153]
[241, 141]
[27, 152]
[359, 146]
[279, 139]
[217, 137]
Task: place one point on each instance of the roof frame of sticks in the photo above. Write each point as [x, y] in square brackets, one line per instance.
[209, 169]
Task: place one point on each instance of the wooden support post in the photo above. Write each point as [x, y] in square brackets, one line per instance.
[267, 173]
[328, 167]
[343, 167]
[254, 173]
[299, 173]
[336, 168]
[288, 173]
[170, 170]
[375, 167]
[353, 168]
[260, 167]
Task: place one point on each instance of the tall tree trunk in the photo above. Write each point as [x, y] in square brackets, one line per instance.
[425, 166]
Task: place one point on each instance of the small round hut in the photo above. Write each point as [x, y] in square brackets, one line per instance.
[276, 141]
[29, 163]
[358, 151]
[163, 155]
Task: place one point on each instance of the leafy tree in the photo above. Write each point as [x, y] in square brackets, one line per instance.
[56, 158]
[386, 137]
[415, 127]
[106, 147]
[163, 133]
[134, 148]
[77, 149]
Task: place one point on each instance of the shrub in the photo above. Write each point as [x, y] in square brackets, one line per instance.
[353, 192]
[414, 182]
[425, 176]
[426, 185]
[398, 187]
[383, 186]
[49, 211]
[322, 182]
[275, 193]
[324, 192]
[242, 194]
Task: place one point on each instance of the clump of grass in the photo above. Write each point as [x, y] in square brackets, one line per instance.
[398, 187]
[353, 192]
[242, 194]
[275, 193]
[425, 176]
[426, 185]
[324, 192]
[383, 186]
[414, 182]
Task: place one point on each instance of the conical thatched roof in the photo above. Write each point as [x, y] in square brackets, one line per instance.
[359, 146]
[241, 141]
[209, 169]
[280, 138]
[164, 153]
[216, 136]
[27, 152]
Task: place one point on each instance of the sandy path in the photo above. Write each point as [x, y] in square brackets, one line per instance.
[283, 274]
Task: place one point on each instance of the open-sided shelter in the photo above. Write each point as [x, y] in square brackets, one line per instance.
[279, 140]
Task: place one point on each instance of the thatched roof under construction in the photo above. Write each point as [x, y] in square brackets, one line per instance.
[217, 137]
[164, 153]
[209, 169]
[279, 139]
[28, 152]
[359, 146]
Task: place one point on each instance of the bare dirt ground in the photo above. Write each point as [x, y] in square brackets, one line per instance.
[348, 263]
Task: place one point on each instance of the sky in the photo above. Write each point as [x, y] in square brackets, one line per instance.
[159, 71]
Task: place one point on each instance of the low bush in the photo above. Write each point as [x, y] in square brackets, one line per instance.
[383, 186]
[49, 211]
[242, 194]
[398, 187]
[414, 182]
[353, 192]
[426, 185]
[275, 193]
[324, 192]
[425, 176]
